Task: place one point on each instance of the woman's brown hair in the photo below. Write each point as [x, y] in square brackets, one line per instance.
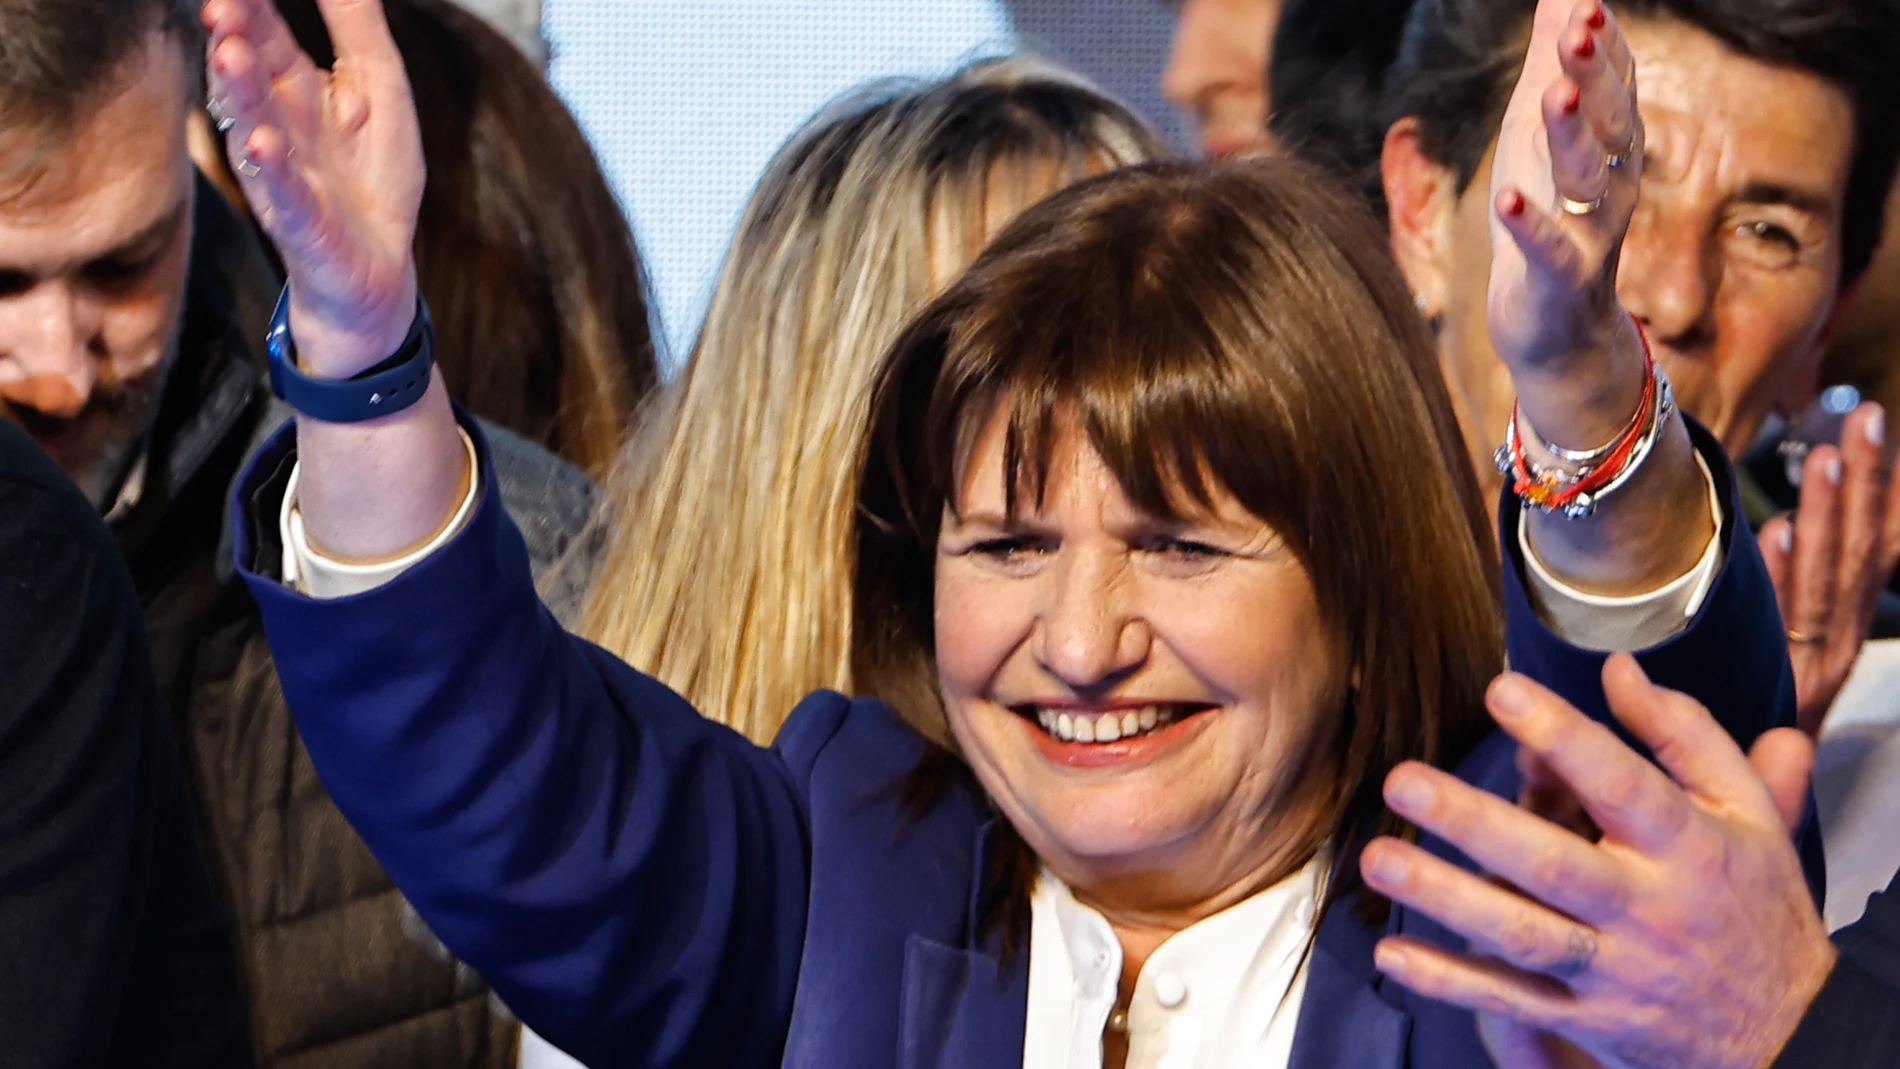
[1239, 327]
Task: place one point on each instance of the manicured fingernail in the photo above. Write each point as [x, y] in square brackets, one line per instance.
[1510, 697]
[1598, 18]
[1514, 204]
[1410, 793]
[1387, 867]
[1573, 101]
[1787, 537]
[1876, 424]
[1587, 48]
[1834, 469]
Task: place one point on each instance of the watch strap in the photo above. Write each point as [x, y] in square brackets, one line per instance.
[384, 389]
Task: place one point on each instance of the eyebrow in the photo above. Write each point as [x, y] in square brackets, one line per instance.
[150, 235]
[1806, 200]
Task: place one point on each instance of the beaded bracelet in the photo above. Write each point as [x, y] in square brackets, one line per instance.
[1602, 471]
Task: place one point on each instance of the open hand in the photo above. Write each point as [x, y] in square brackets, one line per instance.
[1830, 560]
[1684, 938]
[331, 163]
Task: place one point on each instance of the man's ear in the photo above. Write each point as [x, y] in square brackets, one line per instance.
[1421, 196]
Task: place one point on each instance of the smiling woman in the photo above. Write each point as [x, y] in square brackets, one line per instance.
[1165, 554]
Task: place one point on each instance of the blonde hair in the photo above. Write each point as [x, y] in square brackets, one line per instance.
[728, 568]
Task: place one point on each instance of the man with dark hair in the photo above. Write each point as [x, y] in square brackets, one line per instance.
[1769, 151]
[1217, 71]
[117, 950]
[123, 353]
[1326, 80]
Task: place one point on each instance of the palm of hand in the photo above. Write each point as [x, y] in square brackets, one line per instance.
[1553, 272]
[338, 179]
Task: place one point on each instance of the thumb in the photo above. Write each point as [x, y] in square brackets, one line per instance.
[1784, 758]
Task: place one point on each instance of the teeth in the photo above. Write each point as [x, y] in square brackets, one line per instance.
[1104, 727]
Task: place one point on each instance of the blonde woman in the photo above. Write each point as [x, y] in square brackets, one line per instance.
[729, 570]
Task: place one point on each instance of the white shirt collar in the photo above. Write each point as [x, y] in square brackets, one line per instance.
[1223, 992]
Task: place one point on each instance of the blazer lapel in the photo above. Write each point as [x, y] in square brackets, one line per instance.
[1345, 1020]
[963, 1006]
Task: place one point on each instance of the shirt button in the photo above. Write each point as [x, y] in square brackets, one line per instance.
[1170, 990]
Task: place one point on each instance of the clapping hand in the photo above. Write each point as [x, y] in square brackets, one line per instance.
[331, 163]
[1830, 559]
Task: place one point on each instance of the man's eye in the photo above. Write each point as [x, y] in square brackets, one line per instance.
[14, 283]
[1003, 549]
[1769, 244]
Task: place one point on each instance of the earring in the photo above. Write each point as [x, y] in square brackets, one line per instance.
[1424, 306]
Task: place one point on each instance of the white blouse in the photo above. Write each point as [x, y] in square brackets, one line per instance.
[1223, 992]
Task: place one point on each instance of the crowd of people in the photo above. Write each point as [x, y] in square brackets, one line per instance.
[1366, 597]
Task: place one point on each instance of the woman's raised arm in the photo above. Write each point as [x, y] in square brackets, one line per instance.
[331, 163]
[1564, 186]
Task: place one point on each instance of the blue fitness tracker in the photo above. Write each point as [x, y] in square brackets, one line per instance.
[387, 388]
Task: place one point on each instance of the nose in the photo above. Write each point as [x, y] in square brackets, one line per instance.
[46, 358]
[1090, 638]
[1667, 280]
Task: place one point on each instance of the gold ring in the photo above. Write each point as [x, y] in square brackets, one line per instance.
[1581, 207]
[1802, 638]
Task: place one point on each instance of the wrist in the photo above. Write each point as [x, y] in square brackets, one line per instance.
[1585, 399]
[338, 344]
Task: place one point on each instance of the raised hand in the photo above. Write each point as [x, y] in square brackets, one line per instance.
[331, 163]
[1830, 560]
[1564, 184]
[1684, 938]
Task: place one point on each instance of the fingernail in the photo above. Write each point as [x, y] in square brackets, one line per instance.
[1597, 18]
[1514, 204]
[1787, 537]
[1573, 101]
[1834, 469]
[1876, 424]
[1387, 867]
[1588, 48]
[1410, 793]
[1510, 697]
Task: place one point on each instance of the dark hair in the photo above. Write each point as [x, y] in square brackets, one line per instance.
[60, 58]
[1460, 58]
[522, 250]
[1327, 82]
[1239, 327]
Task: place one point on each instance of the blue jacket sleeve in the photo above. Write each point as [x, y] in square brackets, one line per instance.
[1852, 1023]
[1732, 657]
[631, 878]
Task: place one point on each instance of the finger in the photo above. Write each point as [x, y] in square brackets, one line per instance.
[1784, 759]
[244, 97]
[1503, 922]
[1686, 740]
[280, 195]
[1544, 243]
[1515, 1045]
[360, 34]
[1475, 983]
[1817, 543]
[1606, 102]
[1546, 795]
[1629, 798]
[1616, 46]
[258, 22]
[1777, 552]
[1865, 489]
[1578, 160]
[1549, 863]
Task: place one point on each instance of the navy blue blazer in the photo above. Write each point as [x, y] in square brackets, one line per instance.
[647, 888]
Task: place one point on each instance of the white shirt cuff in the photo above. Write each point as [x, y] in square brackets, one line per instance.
[313, 574]
[1633, 622]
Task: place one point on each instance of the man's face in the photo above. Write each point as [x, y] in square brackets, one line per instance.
[93, 257]
[1733, 257]
[1217, 70]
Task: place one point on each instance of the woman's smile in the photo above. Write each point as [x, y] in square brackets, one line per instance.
[1118, 734]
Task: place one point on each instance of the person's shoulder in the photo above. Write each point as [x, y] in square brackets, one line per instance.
[41, 505]
[847, 743]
